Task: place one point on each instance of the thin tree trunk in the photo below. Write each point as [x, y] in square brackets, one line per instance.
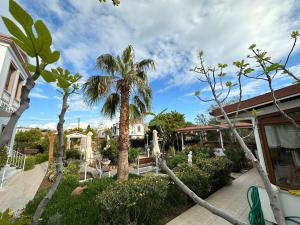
[24, 104]
[275, 102]
[59, 163]
[199, 200]
[272, 194]
[123, 169]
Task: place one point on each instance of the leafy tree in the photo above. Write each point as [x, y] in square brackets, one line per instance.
[34, 38]
[126, 89]
[67, 84]
[28, 139]
[170, 121]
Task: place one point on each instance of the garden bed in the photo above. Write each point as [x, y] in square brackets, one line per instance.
[144, 200]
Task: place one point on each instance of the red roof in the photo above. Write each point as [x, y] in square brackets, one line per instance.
[258, 101]
[240, 125]
[19, 53]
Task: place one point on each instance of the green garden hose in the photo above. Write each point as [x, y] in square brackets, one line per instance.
[256, 216]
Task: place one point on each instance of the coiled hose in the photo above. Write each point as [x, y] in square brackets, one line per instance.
[256, 216]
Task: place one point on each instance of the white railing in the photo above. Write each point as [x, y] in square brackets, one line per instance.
[6, 107]
[16, 159]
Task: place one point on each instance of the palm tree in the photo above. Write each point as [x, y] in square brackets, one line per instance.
[124, 88]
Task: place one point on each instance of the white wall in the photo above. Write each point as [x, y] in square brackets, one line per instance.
[7, 55]
[290, 205]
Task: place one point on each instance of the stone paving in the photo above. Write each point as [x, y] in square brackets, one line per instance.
[21, 188]
[231, 198]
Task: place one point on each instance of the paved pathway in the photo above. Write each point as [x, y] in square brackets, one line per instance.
[21, 188]
[231, 198]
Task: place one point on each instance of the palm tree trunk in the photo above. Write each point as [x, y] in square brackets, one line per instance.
[123, 169]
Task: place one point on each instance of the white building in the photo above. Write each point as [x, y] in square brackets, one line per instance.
[13, 75]
[136, 130]
[22, 129]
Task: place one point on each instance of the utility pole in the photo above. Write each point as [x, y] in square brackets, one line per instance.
[78, 123]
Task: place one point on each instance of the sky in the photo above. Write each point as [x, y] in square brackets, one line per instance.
[171, 32]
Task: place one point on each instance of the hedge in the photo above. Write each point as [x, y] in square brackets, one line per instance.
[3, 156]
[137, 201]
[32, 160]
[140, 200]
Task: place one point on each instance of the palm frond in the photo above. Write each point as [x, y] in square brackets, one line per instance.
[111, 105]
[128, 55]
[146, 65]
[96, 88]
[134, 113]
[108, 64]
[140, 104]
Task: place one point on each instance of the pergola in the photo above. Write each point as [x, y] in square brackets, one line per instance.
[217, 127]
[85, 144]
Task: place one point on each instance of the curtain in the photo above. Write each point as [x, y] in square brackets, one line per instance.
[284, 136]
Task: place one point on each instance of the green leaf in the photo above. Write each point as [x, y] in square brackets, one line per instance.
[197, 93]
[24, 47]
[228, 84]
[52, 57]
[30, 67]
[62, 82]
[20, 14]
[14, 30]
[295, 34]
[44, 39]
[248, 70]
[272, 67]
[48, 76]
[252, 46]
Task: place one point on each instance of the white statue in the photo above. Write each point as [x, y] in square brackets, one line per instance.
[156, 150]
[190, 158]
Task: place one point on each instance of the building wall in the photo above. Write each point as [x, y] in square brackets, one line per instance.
[136, 131]
[7, 55]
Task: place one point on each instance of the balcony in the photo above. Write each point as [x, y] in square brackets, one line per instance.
[6, 108]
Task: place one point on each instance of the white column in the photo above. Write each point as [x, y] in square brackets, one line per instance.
[221, 139]
[182, 142]
[258, 144]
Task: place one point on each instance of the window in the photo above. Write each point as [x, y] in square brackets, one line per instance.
[19, 88]
[10, 78]
[284, 146]
[139, 129]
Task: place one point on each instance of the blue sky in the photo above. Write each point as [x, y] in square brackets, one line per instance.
[169, 31]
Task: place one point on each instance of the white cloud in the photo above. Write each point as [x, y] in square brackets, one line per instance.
[170, 31]
[38, 93]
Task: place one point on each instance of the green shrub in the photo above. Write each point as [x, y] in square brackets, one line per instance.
[195, 178]
[74, 210]
[32, 160]
[7, 218]
[29, 162]
[41, 157]
[72, 154]
[3, 156]
[136, 201]
[238, 158]
[204, 150]
[112, 152]
[133, 154]
[71, 169]
[218, 169]
[179, 158]
[182, 157]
